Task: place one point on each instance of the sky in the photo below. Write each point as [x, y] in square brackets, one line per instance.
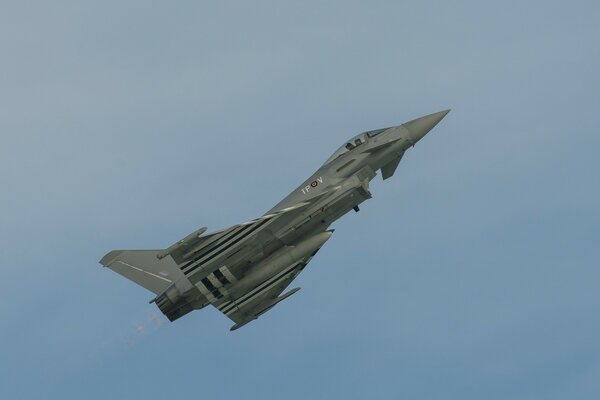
[473, 273]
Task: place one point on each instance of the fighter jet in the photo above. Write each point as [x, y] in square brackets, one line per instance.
[243, 270]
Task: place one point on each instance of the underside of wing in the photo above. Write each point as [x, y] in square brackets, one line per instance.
[207, 269]
[261, 298]
[229, 245]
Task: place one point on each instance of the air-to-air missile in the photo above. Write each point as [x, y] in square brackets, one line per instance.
[244, 269]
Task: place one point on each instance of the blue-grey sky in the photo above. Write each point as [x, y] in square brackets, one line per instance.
[472, 274]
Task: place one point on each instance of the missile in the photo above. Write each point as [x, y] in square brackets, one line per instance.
[186, 241]
[278, 261]
[276, 301]
[270, 305]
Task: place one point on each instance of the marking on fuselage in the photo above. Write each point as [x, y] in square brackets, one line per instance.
[213, 279]
[222, 279]
[312, 185]
[223, 245]
[227, 273]
[211, 288]
[209, 296]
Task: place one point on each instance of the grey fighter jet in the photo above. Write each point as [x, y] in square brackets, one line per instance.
[244, 269]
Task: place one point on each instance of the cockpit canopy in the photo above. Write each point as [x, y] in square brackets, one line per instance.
[354, 143]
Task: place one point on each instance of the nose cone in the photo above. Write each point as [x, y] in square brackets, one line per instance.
[420, 126]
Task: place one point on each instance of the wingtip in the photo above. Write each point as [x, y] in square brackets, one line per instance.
[110, 257]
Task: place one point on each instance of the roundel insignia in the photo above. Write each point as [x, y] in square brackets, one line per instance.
[314, 184]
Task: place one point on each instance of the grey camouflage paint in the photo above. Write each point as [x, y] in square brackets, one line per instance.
[243, 270]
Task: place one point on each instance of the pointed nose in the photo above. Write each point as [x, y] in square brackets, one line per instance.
[420, 126]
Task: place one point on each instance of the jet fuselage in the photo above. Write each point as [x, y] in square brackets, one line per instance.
[243, 270]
